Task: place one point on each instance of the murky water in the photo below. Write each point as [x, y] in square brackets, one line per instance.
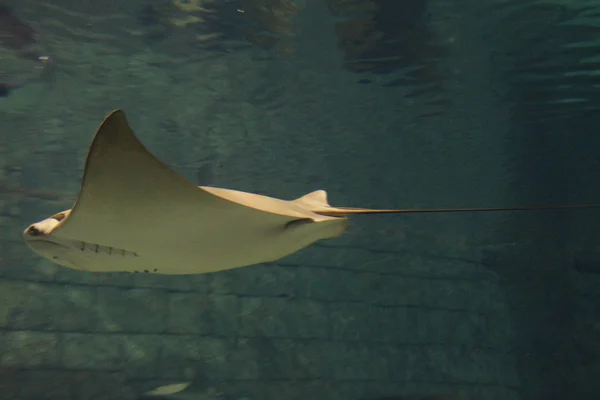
[413, 104]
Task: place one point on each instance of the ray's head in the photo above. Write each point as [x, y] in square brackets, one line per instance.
[38, 237]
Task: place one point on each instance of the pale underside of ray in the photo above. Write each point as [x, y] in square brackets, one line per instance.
[131, 201]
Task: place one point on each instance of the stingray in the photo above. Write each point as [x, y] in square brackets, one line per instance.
[135, 214]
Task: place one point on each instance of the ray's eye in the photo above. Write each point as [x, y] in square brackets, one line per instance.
[33, 231]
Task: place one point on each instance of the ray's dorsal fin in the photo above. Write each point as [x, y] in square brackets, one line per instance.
[316, 199]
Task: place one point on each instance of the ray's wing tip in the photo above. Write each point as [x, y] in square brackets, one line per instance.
[113, 122]
[116, 113]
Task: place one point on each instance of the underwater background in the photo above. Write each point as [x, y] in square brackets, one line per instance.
[384, 104]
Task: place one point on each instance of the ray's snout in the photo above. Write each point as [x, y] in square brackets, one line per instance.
[42, 228]
[32, 230]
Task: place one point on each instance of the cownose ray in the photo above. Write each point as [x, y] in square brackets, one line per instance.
[135, 214]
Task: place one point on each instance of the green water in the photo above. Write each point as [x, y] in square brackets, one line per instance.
[384, 104]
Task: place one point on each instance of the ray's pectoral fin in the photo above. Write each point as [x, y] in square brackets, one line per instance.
[123, 185]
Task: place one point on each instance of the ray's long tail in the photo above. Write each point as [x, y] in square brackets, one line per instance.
[347, 211]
